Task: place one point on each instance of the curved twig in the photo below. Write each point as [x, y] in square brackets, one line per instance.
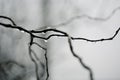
[5, 17]
[33, 35]
[80, 59]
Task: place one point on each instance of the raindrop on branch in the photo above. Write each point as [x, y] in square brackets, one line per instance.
[46, 41]
[17, 30]
[43, 32]
[22, 31]
[48, 27]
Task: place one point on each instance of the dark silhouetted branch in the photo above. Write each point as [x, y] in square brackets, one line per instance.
[5, 17]
[35, 62]
[45, 49]
[33, 35]
[80, 59]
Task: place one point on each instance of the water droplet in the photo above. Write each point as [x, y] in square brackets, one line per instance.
[22, 31]
[17, 30]
[43, 32]
[48, 27]
[45, 40]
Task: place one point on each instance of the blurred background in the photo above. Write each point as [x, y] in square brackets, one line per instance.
[101, 57]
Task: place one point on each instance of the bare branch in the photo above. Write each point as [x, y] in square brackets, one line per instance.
[86, 16]
[98, 40]
[33, 35]
[34, 61]
[45, 49]
[5, 17]
[39, 45]
[80, 59]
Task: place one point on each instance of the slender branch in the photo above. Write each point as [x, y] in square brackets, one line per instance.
[86, 16]
[35, 54]
[33, 35]
[15, 27]
[34, 61]
[55, 30]
[38, 63]
[45, 49]
[5, 17]
[85, 39]
[39, 45]
[46, 65]
[80, 59]
[98, 40]
[48, 30]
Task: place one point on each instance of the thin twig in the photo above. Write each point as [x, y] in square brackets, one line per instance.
[86, 16]
[45, 49]
[34, 61]
[5, 17]
[33, 35]
[80, 59]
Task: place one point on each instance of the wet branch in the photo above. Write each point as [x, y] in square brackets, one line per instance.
[32, 34]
